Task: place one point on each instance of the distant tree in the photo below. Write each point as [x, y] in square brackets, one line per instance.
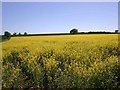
[116, 31]
[14, 34]
[25, 33]
[74, 31]
[7, 35]
[19, 34]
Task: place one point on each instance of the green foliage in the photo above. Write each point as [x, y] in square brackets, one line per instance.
[116, 31]
[25, 33]
[19, 34]
[14, 34]
[7, 35]
[73, 31]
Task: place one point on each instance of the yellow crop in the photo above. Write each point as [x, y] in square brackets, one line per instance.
[65, 61]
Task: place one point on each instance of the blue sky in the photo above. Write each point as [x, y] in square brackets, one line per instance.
[55, 17]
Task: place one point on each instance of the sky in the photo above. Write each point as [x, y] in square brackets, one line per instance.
[59, 17]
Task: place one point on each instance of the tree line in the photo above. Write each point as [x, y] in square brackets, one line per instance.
[7, 35]
[19, 34]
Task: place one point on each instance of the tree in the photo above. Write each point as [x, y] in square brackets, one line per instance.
[7, 35]
[14, 34]
[19, 34]
[25, 33]
[116, 31]
[74, 31]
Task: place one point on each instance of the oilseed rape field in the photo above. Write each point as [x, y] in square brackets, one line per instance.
[64, 61]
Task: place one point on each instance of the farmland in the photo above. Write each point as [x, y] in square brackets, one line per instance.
[66, 61]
